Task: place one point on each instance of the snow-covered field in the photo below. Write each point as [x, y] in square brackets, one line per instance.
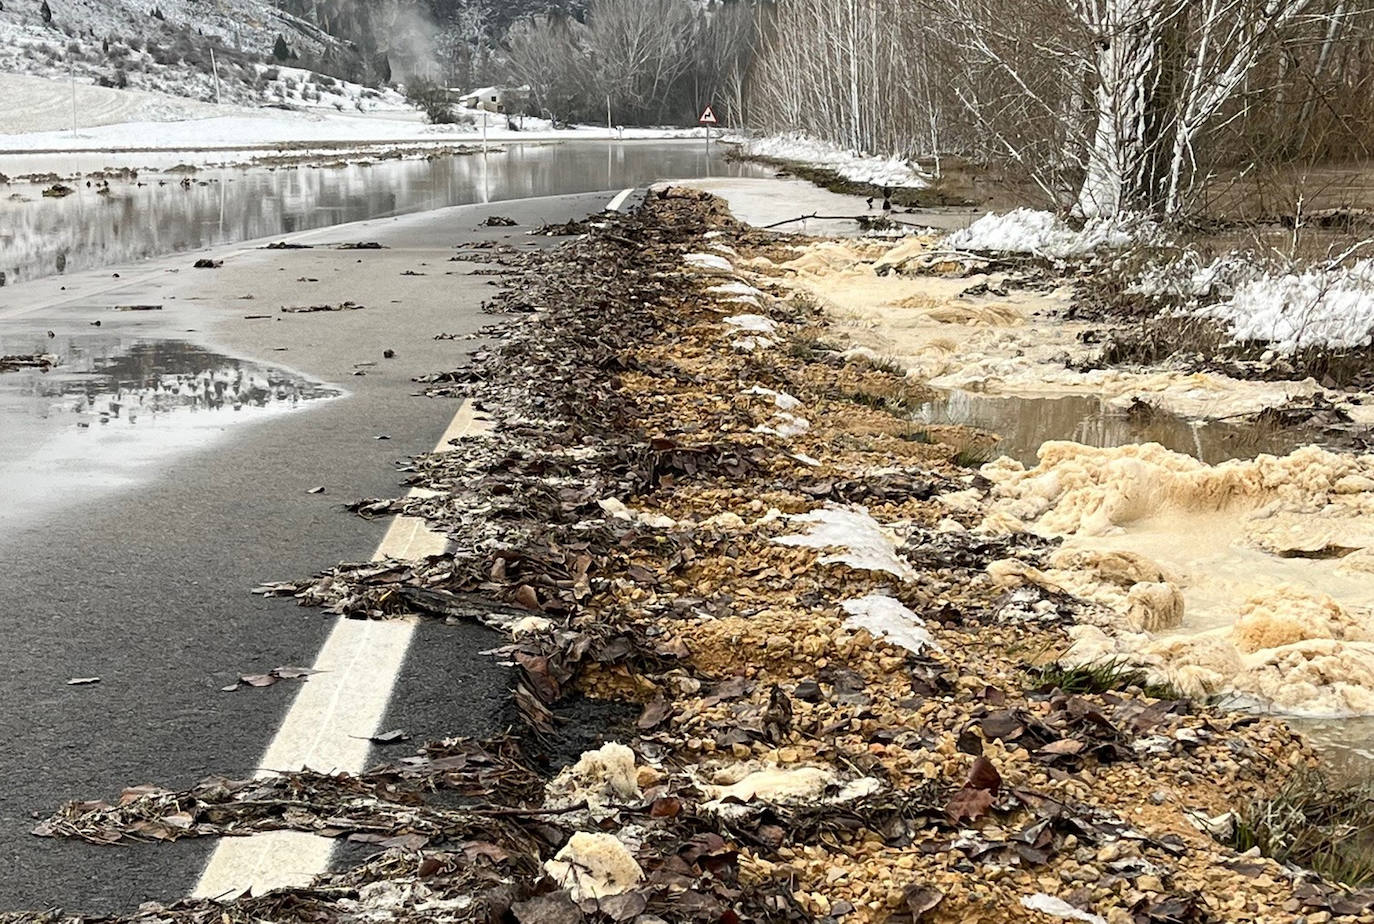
[38, 117]
[852, 165]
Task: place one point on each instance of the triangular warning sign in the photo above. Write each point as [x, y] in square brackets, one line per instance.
[708, 117]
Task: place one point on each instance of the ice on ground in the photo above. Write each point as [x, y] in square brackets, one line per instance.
[781, 399]
[1042, 233]
[866, 543]
[1318, 308]
[1057, 907]
[852, 165]
[887, 618]
[753, 322]
[594, 866]
[709, 261]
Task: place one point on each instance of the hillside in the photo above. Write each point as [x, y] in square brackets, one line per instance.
[177, 46]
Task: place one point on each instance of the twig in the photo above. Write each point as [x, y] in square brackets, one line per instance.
[855, 218]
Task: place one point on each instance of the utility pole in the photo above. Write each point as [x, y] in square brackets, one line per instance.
[215, 68]
[71, 69]
[610, 131]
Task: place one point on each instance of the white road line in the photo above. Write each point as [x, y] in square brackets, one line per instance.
[333, 715]
[619, 200]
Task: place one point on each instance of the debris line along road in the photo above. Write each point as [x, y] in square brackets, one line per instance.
[334, 717]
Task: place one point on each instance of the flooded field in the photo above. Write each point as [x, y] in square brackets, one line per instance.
[160, 212]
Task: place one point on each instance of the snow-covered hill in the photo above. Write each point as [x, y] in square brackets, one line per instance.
[179, 47]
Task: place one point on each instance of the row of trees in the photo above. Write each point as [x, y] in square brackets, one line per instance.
[1106, 104]
[647, 61]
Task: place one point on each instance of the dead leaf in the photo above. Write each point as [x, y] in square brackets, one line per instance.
[920, 899]
[666, 807]
[984, 775]
[527, 597]
[969, 804]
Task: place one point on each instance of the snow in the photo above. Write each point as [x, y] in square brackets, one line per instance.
[1057, 907]
[708, 261]
[786, 426]
[753, 322]
[887, 618]
[865, 542]
[852, 165]
[1331, 308]
[781, 399]
[737, 289]
[37, 117]
[1041, 233]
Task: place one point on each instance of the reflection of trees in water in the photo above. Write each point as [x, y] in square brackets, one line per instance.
[110, 379]
[135, 222]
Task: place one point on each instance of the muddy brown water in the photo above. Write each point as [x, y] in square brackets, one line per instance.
[154, 214]
[1024, 424]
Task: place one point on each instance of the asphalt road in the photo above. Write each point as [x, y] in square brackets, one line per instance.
[146, 584]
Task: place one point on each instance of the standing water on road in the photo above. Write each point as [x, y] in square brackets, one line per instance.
[119, 403]
[159, 213]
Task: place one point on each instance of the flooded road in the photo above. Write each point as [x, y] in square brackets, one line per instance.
[170, 210]
[107, 415]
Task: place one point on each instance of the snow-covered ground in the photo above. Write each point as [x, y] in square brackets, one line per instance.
[1040, 233]
[38, 117]
[852, 165]
[1327, 308]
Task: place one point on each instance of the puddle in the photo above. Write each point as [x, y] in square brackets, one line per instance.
[1025, 423]
[117, 407]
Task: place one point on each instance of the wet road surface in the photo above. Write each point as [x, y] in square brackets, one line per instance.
[139, 571]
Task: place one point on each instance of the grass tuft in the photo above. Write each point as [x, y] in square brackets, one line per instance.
[810, 349]
[1112, 675]
[1314, 824]
[973, 455]
[880, 364]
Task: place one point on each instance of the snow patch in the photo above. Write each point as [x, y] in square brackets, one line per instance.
[887, 618]
[866, 543]
[782, 399]
[786, 426]
[1332, 308]
[736, 288]
[1042, 233]
[852, 165]
[1057, 907]
[756, 323]
[708, 261]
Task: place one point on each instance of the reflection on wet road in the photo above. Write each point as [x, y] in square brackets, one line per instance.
[116, 408]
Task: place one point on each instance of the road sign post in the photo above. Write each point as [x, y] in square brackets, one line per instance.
[708, 118]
